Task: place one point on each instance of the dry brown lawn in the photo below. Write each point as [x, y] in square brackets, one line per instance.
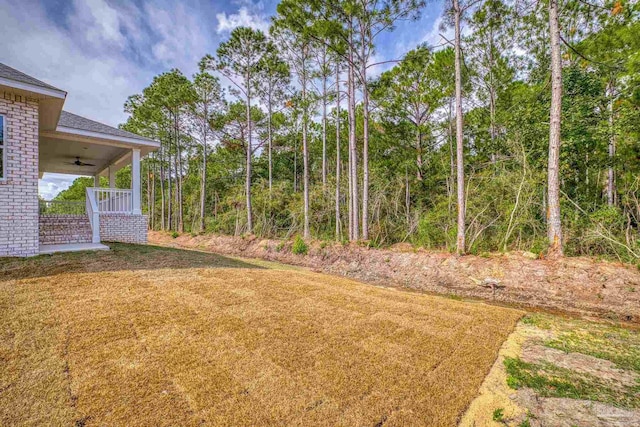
[148, 336]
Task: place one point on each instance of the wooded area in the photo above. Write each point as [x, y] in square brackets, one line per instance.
[521, 132]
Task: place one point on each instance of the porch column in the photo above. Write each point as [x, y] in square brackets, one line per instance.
[135, 180]
[96, 181]
[112, 176]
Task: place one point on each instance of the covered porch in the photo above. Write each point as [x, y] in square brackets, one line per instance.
[79, 146]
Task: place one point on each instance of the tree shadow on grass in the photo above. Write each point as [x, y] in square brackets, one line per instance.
[121, 257]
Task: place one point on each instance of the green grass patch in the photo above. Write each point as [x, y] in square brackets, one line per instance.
[548, 380]
[618, 345]
[498, 415]
[606, 341]
[538, 320]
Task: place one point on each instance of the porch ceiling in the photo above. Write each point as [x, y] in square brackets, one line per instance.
[58, 154]
[59, 149]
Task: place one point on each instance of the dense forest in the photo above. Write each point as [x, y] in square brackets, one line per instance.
[521, 131]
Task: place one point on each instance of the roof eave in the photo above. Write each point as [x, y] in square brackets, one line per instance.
[34, 91]
[105, 136]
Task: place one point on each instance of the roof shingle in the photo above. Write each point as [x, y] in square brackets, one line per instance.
[9, 73]
[74, 121]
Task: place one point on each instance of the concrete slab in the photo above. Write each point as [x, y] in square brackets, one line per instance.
[72, 247]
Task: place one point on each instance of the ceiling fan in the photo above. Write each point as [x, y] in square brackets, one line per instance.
[79, 163]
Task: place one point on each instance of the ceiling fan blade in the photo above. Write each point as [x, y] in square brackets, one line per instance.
[87, 164]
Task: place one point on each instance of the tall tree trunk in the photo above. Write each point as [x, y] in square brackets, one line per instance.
[270, 136]
[365, 139]
[248, 165]
[349, 161]
[554, 225]
[169, 192]
[452, 162]
[492, 100]
[460, 242]
[419, 153]
[179, 175]
[154, 172]
[611, 181]
[352, 141]
[492, 118]
[338, 225]
[295, 162]
[163, 225]
[407, 198]
[203, 186]
[365, 162]
[176, 194]
[305, 148]
[324, 119]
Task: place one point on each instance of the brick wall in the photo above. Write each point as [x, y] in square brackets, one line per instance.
[125, 228]
[19, 189]
[63, 229]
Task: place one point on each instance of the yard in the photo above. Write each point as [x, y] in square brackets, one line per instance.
[144, 335]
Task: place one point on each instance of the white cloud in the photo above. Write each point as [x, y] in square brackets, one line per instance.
[100, 22]
[104, 54]
[433, 37]
[439, 38]
[97, 85]
[226, 23]
[181, 42]
[53, 183]
[98, 81]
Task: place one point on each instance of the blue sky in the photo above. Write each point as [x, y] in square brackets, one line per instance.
[102, 51]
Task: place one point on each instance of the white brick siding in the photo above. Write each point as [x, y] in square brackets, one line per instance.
[64, 229]
[123, 227]
[19, 189]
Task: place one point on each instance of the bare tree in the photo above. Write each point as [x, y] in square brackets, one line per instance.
[353, 151]
[460, 240]
[554, 225]
[338, 165]
[611, 176]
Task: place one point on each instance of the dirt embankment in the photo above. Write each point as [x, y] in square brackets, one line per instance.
[576, 285]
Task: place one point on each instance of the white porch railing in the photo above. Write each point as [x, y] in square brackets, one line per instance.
[113, 200]
[106, 200]
[94, 215]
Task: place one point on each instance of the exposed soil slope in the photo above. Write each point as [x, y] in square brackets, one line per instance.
[575, 285]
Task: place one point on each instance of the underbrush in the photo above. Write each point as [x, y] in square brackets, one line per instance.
[505, 212]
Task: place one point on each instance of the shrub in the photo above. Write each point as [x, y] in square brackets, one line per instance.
[299, 246]
[175, 234]
[498, 415]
